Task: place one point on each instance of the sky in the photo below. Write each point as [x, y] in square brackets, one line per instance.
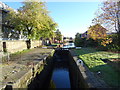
[71, 17]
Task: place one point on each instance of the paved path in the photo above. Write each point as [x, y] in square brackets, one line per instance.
[18, 65]
[2, 54]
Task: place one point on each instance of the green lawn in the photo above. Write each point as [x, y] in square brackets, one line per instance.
[92, 59]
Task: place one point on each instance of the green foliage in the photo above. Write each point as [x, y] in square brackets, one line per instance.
[58, 35]
[79, 42]
[114, 46]
[84, 42]
[21, 52]
[8, 25]
[91, 43]
[33, 20]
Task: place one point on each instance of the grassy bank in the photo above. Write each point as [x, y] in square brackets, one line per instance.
[21, 52]
[93, 60]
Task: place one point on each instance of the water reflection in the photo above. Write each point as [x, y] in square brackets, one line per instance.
[60, 76]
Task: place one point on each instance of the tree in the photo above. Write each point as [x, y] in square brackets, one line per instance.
[84, 41]
[39, 23]
[32, 20]
[8, 24]
[79, 41]
[97, 32]
[32, 17]
[28, 19]
[108, 15]
[49, 30]
[58, 35]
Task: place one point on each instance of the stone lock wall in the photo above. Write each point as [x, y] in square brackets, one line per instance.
[27, 77]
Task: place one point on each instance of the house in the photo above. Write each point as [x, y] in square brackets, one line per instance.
[84, 35]
[7, 32]
[3, 12]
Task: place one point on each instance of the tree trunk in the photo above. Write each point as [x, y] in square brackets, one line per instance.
[28, 42]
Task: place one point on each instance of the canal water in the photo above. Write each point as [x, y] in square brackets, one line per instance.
[60, 75]
[60, 71]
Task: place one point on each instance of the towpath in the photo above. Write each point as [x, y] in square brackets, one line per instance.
[19, 64]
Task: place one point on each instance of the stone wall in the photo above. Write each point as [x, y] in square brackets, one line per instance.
[30, 75]
[26, 77]
[36, 43]
[1, 46]
[14, 46]
[18, 45]
[77, 81]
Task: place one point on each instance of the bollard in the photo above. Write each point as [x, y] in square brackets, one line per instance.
[79, 62]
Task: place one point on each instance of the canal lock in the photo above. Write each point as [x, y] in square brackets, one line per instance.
[60, 71]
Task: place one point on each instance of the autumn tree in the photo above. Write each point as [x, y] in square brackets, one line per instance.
[97, 32]
[108, 15]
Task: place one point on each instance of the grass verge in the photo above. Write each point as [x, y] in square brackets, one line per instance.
[93, 60]
[21, 52]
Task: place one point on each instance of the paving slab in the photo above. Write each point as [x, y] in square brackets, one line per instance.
[19, 64]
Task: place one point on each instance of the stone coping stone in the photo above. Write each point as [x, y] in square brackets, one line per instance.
[90, 78]
[13, 70]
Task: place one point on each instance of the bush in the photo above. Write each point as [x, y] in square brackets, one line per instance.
[91, 43]
[101, 48]
[84, 42]
[79, 42]
[114, 46]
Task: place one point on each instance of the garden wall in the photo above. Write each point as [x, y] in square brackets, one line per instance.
[14, 46]
[17, 45]
[1, 46]
[36, 43]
